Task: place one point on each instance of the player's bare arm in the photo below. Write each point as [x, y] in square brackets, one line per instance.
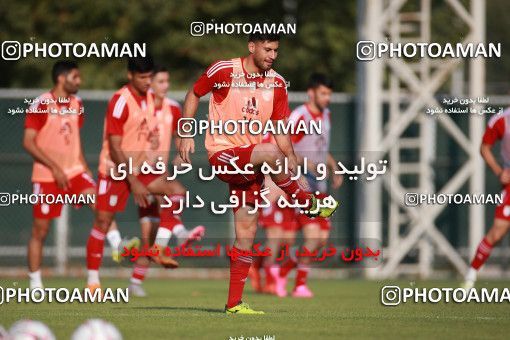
[139, 191]
[31, 147]
[187, 145]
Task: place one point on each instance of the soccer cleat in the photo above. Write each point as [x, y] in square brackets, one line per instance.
[281, 286]
[302, 291]
[129, 244]
[254, 276]
[136, 290]
[194, 234]
[162, 259]
[242, 308]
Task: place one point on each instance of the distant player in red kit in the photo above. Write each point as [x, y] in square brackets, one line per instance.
[130, 120]
[498, 129]
[52, 138]
[257, 100]
[315, 148]
[167, 114]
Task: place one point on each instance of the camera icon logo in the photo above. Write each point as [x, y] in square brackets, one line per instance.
[365, 50]
[5, 199]
[197, 28]
[11, 50]
[187, 127]
[390, 295]
[411, 199]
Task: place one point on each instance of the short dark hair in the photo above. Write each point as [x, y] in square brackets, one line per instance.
[254, 37]
[159, 68]
[141, 64]
[318, 79]
[62, 67]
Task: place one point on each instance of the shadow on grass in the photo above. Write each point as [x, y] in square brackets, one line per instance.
[196, 309]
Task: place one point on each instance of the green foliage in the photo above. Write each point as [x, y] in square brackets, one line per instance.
[325, 40]
[325, 37]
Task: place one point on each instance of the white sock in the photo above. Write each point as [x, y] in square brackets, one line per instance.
[93, 277]
[471, 274]
[113, 237]
[136, 281]
[180, 231]
[163, 236]
[35, 279]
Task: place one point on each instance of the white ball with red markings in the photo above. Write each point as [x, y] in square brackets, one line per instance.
[30, 330]
[96, 329]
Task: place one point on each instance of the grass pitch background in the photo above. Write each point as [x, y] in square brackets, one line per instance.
[193, 309]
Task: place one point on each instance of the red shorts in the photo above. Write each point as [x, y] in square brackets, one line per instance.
[503, 210]
[249, 184]
[275, 216]
[77, 185]
[112, 195]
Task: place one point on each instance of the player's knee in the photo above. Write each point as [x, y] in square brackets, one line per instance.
[103, 221]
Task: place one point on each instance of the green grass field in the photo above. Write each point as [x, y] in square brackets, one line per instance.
[185, 309]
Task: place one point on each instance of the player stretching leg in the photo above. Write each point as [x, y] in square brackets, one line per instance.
[149, 222]
[496, 130]
[262, 102]
[167, 115]
[315, 147]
